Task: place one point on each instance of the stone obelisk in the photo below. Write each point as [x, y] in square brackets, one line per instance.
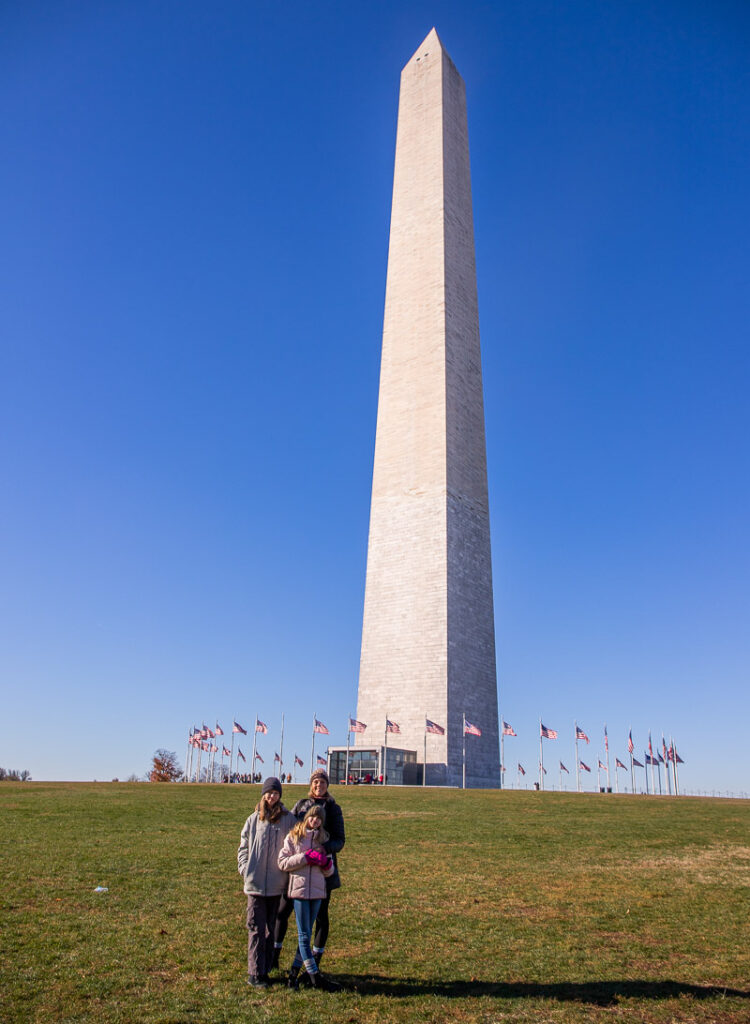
[428, 637]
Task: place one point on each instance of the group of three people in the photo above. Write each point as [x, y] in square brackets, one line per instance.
[288, 862]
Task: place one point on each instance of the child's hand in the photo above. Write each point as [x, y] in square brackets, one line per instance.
[316, 857]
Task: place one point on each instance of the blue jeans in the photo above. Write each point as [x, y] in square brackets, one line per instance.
[305, 911]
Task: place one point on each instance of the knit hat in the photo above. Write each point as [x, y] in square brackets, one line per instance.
[320, 773]
[270, 784]
[316, 811]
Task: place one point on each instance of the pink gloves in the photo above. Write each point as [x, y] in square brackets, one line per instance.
[319, 858]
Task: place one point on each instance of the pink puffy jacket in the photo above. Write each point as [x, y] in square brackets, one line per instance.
[306, 881]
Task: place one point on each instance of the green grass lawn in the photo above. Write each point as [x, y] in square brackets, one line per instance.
[473, 906]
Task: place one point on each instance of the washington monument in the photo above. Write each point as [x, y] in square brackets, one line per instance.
[428, 636]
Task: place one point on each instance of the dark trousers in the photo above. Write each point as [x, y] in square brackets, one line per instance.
[261, 920]
[321, 923]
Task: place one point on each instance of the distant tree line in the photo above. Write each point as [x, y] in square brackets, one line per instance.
[11, 775]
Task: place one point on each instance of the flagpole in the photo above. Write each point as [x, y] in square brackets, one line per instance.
[221, 762]
[651, 755]
[561, 776]
[187, 757]
[632, 770]
[598, 773]
[312, 745]
[424, 763]
[281, 745]
[645, 769]
[666, 764]
[617, 779]
[255, 741]
[606, 746]
[463, 776]
[348, 734]
[541, 757]
[502, 751]
[231, 752]
[384, 766]
[578, 766]
[676, 777]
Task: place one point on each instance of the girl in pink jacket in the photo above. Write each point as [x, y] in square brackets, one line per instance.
[303, 856]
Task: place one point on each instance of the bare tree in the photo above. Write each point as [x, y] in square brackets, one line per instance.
[164, 766]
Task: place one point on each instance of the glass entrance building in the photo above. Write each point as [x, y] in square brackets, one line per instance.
[374, 765]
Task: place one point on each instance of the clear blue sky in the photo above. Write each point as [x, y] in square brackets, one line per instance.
[194, 202]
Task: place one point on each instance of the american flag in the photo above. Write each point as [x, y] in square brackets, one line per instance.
[619, 764]
[602, 765]
[319, 727]
[225, 752]
[238, 728]
[471, 730]
[260, 726]
[548, 734]
[521, 768]
[299, 761]
[214, 749]
[637, 763]
[658, 754]
[677, 758]
[606, 739]
[584, 766]
[670, 752]
[277, 758]
[650, 748]
[205, 746]
[563, 768]
[631, 747]
[581, 735]
[211, 735]
[433, 728]
[204, 733]
[508, 730]
[219, 730]
[240, 754]
[392, 726]
[257, 758]
[544, 770]
[321, 760]
[650, 759]
[355, 726]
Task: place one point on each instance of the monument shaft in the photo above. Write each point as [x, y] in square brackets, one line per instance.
[428, 640]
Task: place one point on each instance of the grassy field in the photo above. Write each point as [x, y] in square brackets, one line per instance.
[471, 906]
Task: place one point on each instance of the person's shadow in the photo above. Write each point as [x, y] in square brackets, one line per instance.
[600, 993]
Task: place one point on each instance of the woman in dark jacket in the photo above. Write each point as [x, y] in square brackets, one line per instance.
[336, 838]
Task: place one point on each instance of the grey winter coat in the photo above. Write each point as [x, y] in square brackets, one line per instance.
[306, 881]
[258, 854]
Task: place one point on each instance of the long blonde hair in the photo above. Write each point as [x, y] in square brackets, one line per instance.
[298, 831]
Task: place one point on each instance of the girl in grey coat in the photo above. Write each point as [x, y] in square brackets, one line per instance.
[264, 882]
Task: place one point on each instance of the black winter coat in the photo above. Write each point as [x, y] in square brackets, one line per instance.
[334, 826]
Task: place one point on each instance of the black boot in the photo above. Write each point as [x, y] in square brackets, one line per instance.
[292, 980]
[317, 957]
[325, 984]
[275, 958]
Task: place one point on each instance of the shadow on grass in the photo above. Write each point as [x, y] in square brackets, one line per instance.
[599, 993]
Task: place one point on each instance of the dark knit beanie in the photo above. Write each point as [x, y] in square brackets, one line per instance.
[320, 773]
[270, 784]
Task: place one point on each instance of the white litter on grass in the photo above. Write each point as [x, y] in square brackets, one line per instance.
[101, 888]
